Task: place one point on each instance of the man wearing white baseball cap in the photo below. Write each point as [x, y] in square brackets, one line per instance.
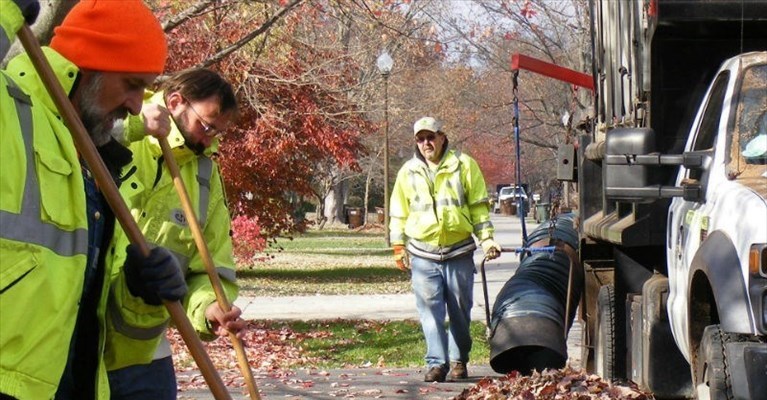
[438, 202]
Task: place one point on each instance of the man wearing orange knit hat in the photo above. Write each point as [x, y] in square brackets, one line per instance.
[54, 222]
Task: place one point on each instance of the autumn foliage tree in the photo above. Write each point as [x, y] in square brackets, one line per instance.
[294, 116]
[312, 100]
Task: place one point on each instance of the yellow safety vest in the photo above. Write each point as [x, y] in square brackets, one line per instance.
[43, 227]
[157, 209]
[440, 208]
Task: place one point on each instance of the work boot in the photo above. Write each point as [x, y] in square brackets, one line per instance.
[458, 370]
[435, 374]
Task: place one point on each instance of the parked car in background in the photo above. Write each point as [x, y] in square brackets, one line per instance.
[513, 193]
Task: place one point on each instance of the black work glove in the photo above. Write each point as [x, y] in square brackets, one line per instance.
[29, 9]
[154, 278]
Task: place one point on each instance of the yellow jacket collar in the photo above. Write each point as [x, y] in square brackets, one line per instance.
[23, 72]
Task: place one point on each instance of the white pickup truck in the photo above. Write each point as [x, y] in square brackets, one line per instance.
[509, 192]
[673, 197]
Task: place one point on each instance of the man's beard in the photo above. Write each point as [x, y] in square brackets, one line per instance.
[99, 124]
[198, 148]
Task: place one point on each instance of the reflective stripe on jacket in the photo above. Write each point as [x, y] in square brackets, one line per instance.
[156, 207]
[43, 227]
[440, 208]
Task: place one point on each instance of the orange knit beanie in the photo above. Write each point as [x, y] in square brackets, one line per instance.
[112, 35]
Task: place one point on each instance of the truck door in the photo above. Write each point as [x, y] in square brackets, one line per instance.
[688, 220]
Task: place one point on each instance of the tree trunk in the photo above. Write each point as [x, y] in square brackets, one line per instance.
[368, 179]
[52, 12]
[334, 210]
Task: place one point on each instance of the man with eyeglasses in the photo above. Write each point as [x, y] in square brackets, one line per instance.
[438, 202]
[192, 108]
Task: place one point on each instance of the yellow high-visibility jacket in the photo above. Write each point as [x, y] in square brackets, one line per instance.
[43, 229]
[441, 208]
[156, 207]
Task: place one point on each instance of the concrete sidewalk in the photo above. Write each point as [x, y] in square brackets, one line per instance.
[401, 383]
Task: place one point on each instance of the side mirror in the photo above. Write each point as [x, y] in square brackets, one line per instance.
[632, 173]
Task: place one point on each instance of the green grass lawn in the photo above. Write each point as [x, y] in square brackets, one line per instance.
[390, 344]
[325, 262]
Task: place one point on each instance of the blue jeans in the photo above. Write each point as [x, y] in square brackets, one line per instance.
[441, 286]
[155, 381]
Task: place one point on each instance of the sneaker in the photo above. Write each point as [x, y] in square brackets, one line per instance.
[435, 374]
[458, 370]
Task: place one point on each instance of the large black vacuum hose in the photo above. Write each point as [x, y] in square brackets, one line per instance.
[527, 329]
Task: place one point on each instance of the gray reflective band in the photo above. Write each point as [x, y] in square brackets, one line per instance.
[441, 253]
[397, 237]
[411, 176]
[130, 331]
[204, 172]
[27, 226]
[449, 202]
[5, 42]
[458, 186]
[419, 207]
[482, 225]
[225, 273]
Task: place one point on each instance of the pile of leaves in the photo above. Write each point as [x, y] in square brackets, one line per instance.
[269, 350]
[562, 384]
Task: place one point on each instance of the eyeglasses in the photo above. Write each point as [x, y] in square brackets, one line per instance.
[426, 138]
[207, 128]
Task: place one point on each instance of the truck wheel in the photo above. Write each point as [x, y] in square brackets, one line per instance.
[712, 377]
[605, 361]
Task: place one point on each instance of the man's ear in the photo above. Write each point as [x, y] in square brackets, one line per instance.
[173, 101]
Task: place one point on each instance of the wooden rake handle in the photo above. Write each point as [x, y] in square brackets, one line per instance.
[210, 268]
[87, 150]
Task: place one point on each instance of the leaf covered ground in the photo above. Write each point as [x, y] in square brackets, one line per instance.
[270, 352]
[275, 351]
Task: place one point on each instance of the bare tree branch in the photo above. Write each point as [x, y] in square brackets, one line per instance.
[247, 38]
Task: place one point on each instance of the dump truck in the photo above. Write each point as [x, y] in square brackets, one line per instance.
[672, 209]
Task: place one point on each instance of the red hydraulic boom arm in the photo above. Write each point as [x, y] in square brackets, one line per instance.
[519, 61]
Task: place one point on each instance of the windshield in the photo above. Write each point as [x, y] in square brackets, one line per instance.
[748, 149]
[509, 191]
[752, 121]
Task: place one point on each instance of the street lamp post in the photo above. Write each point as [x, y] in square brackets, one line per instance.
[385, 64]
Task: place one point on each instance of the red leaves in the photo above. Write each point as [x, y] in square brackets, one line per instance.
[247, 240]
[527, 10]
[563, 384]
[296, 116]
[268, 351]
[280, 151]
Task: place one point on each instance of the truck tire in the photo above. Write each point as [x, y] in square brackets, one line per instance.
[712, 376]
[605, 357]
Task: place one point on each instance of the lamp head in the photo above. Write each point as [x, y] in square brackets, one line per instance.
[384, 63]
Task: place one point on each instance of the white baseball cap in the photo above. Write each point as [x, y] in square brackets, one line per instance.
[427, 124]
